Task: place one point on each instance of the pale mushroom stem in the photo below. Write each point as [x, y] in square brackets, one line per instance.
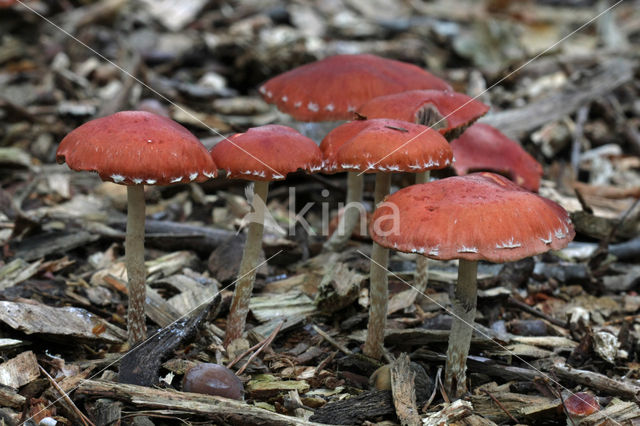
[134, 259]
[248, 266]
[464, 310]
[378, 291]
[422, 266]
[349, 220]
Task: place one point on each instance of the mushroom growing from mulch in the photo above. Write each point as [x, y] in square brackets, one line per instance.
[383, 147]
[480, 216]
[261, 154]
[136, 148]
[332, 89]
[580, 405]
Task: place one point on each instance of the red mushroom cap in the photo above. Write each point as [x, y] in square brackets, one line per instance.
[334, 87]
[339, 136]
[267, 153]
[481, 216]
[447, 112]
[581, 404]
[137, 147]
[382, 145]
[483, 147]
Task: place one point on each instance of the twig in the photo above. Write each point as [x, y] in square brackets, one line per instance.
[433, 393]
[502, 407]
[439, 385]
[330, 339]
[245, 353]
[578, 137]
[324, 362]
[533, 311]
[266, 343]
[63, 394]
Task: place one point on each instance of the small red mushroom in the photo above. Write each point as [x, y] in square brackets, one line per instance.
[481, 216]
[334, 87]
[484, 148]
[383, 146]
[213, 379]
[136, 148]
[447, 112]
[261, 154]
[580, 405]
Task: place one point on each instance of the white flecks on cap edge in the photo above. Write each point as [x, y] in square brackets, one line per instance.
[510, 244]
[464, 249]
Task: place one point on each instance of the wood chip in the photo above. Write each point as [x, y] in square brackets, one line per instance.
[218, 409]
[20, 370]
[71, 322]
[403, 391]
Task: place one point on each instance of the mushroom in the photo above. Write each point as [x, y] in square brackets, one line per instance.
[580, 405]
[355, 184]
[484, 148]
[136, 148]
[481, 216]
[384, 146]
[448, 112]
[213, 379]
[262, 154]
[332, 89]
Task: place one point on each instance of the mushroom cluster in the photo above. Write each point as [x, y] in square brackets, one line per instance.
[403, 118]
[382, 140]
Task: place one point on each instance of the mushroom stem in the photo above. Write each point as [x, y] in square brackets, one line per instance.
[349, 219]
[464, 310]
[247, 273]
[134, 259]
[422, 263]
[378, 291]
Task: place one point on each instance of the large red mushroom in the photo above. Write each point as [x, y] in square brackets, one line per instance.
[481, 216]
[261, 154]
[136, 148]
[333, 88]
